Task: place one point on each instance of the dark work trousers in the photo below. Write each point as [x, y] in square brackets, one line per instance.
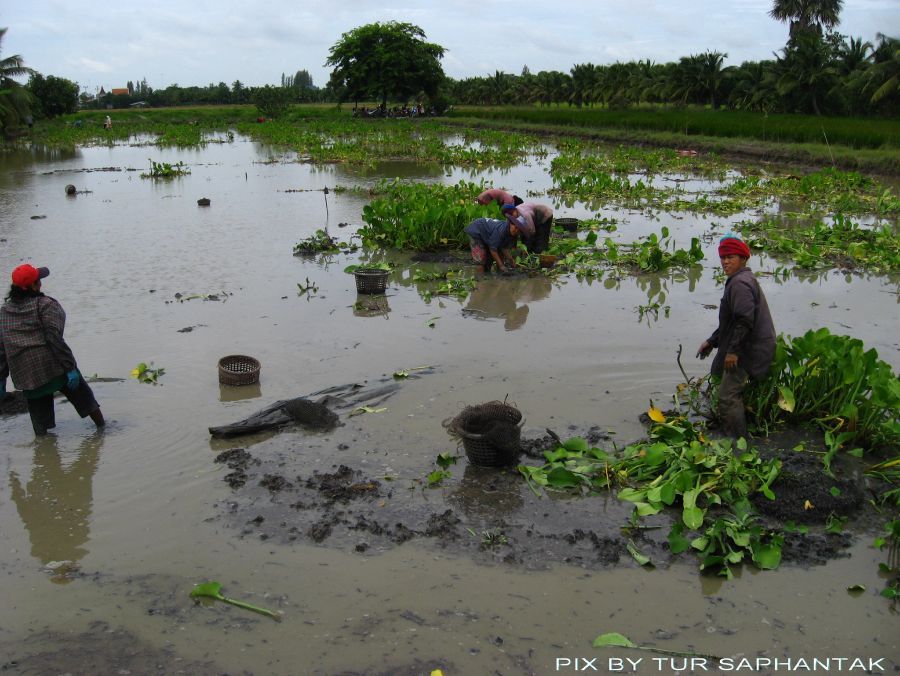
[731, 402]
[43, 415]
[541, 240]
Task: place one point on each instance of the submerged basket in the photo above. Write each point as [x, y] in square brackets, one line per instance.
[371, 280]
[567, 224]
[490, 433]
[238, 369]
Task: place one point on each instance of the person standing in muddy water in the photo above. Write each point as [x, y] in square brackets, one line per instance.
[34, 353]
[744, 339]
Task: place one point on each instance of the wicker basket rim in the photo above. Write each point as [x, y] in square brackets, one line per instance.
[225, 361]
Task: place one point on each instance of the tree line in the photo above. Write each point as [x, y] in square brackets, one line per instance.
[819, 71]
[818, 74]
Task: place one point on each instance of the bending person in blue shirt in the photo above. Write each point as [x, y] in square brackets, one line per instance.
[491, 240]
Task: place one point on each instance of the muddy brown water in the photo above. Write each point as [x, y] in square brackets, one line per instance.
[106, 534]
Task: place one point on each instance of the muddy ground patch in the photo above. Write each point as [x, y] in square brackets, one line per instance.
[492, 515]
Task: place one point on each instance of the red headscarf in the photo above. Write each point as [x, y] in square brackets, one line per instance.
[732, 245]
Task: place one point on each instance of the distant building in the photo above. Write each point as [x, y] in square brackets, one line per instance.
[137, 104]
[119, 91]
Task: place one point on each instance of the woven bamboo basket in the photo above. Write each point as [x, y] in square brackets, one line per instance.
[238, 369]
[371, 280]
[567, 224]
[485, 443]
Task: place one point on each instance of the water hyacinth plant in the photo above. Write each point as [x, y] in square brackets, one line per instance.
[841, 243]
[677, 467]
[422, 217]
[834, 382]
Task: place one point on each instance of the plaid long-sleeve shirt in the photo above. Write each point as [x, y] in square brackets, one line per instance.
[32, 349]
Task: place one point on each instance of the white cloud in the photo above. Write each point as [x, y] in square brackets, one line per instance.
[207, 41]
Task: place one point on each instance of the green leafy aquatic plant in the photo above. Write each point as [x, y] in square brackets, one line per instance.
[676, 468]
[730, 540]
[655, 253]
[213, 590]
[166, 170]
[841, 243]
[320, 242]
[422, 217]
[145, 373]
[834, 382]
[890, 540]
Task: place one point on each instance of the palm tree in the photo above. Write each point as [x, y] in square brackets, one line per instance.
[854, 55]
[884, 75]
[806, 15]
[14, 100]
[806, 72]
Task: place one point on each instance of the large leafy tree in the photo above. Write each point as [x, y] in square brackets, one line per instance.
[53, 95]
[14, 100]
[385, 61]
[807, 15]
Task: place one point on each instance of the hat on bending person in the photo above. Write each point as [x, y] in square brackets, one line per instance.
[730, 246]
[507, 207]
[26, 275]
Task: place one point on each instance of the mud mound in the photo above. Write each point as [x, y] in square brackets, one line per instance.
[239, 460]
[343, 485]
[806, 494]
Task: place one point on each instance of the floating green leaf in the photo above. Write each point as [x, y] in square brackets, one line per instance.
[212, 590]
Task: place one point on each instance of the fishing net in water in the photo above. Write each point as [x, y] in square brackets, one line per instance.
[310, 414]
[490, 433]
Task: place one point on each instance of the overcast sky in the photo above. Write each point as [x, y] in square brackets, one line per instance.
[198, 42]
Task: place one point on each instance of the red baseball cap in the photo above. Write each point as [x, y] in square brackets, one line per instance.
[26, 275]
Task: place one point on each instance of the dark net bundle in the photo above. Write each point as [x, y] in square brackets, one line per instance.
[490, 433]
[310, 414]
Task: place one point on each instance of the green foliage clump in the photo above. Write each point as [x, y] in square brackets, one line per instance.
[272, 101]
[421, 217]
[841, 243]
[166, 170]
[385, 61]
[834, 382]
[677, 467]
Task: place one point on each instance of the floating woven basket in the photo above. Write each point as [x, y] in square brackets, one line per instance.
[371, 280]
[238, 369]
[567, 224]
[490, 433]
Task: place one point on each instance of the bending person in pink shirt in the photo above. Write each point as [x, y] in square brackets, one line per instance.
[501, 197]
[538, 220]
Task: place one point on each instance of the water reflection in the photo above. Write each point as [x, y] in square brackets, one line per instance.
[485, 494]
[55, 505]
[239, 392]
[367, 305]
[500, 298]
[380, 170]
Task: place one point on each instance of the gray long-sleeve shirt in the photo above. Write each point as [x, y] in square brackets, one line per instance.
[745, 326]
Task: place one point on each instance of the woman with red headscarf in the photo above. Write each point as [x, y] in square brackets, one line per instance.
[745, 338]
[34, 353]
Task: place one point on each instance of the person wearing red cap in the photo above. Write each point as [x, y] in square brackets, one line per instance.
[34, 353]
[744, 339]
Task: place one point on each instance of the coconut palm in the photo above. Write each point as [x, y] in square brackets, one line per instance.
[14, 100]
[884, 75]
[806, 15]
